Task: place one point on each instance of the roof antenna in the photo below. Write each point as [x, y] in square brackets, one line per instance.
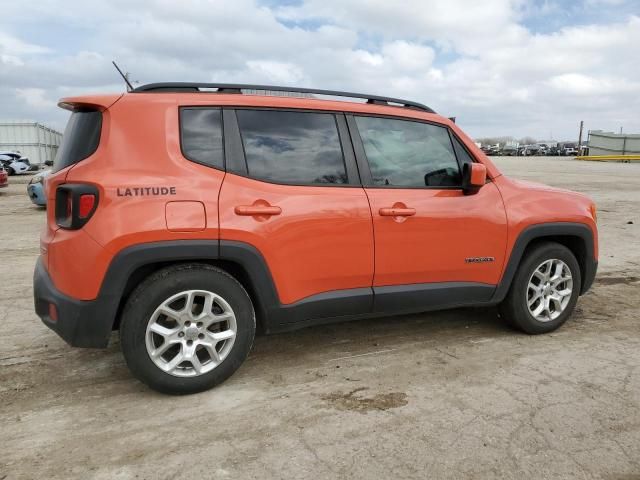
[124, 77]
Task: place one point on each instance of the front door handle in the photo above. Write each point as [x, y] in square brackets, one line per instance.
[258, 210]
[397, 212]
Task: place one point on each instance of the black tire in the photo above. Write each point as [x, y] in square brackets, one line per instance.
[514, 307]
[10, 171]
[151, 293]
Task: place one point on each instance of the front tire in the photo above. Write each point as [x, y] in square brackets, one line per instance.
[545, 289]
[187, 328]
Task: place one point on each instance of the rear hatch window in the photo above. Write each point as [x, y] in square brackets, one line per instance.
[81, 138]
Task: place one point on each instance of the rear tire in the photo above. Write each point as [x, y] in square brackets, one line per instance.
[544, 291]
[10, 171]
[187, 328]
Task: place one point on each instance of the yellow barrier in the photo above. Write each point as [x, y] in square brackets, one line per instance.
[610, 158]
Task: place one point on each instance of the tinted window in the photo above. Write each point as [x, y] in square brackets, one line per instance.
[461, 152]
[292, 147]
[81, 138]
[201, 135]
[408, 154]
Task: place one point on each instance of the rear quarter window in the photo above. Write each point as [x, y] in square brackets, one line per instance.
[81, 138]
[201, 135]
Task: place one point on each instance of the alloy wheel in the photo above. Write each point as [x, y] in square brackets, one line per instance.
[191, 333]
[549, 290]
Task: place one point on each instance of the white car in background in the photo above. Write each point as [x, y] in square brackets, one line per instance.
[15, 164]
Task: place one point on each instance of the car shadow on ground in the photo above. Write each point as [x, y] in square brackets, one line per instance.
[313, 346]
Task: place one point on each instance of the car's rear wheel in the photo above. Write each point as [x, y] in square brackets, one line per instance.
[187, 328]
[545, 289]
[10, 171]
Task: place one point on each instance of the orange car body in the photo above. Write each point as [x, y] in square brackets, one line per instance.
[314, 241]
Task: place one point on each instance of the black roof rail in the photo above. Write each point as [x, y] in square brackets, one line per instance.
[238, 87]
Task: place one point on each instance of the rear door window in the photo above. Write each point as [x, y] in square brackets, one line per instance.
[300, 148]
[409, 154]
[81, 138]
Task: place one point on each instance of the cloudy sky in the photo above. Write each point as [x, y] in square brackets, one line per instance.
[503, 67]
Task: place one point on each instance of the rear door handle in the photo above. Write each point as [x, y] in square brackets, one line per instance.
[257, 210]
[397, 212]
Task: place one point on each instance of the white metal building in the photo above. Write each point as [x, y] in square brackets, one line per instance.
[609, 143]
[35, 141]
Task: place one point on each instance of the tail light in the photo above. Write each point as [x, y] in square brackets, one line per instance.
[75, 205]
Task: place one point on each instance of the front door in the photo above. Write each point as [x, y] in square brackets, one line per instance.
[434, 245]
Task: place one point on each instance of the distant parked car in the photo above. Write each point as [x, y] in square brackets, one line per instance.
[35, 189]
[4, 178]
[553, 151]
[15, 164]
[570, 151]
[490, 149]
[509, 150]
[530, 150]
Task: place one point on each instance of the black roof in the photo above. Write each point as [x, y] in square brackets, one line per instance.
[237, 88]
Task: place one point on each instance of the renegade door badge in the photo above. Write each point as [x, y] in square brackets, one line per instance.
[478, 259]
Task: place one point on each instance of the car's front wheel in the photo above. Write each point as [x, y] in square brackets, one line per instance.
[187, 328]
[545, 289]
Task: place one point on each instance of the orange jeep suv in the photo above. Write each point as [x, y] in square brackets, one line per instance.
[189, 216]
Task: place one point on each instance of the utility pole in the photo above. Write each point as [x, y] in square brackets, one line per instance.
[580, 138]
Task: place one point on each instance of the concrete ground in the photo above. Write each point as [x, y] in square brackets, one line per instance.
[444, 395]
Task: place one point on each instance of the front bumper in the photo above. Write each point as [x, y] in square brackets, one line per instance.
[589, 274]
[81, 323]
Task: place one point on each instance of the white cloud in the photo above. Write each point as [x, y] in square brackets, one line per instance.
[35, 97]
[278, 72]
[475, 60]
[580, 84]
[408, 56]
[10, 60]
[12, 49]
[12, 45]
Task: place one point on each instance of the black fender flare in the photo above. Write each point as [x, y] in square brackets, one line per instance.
[258, 279]
[539, 231]
[126, 262]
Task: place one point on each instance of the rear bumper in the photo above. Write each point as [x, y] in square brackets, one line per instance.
[80, 323]
[36, 194]
[589, 274]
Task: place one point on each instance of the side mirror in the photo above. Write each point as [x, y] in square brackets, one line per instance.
[474, 176]
[49, 163]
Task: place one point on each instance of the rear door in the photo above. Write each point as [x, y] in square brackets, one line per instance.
[434, 245]
[292, 192]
